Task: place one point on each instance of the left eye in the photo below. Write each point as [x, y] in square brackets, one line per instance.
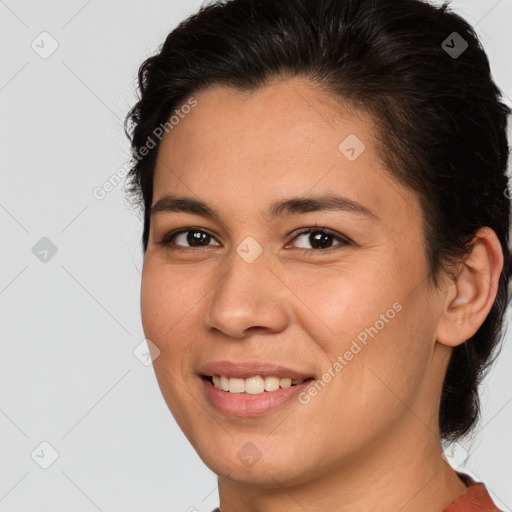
[321, 238]
[318, 238]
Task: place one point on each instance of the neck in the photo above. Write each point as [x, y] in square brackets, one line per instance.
[404, 472]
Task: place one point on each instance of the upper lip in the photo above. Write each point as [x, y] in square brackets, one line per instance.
[243, 370]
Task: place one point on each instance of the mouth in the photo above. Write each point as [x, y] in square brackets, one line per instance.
[252, 388]
[252, 397]
[253, 385]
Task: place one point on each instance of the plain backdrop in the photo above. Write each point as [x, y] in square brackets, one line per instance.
[76, 393]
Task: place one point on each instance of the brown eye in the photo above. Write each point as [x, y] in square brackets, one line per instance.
[189, 238]
[321, 239]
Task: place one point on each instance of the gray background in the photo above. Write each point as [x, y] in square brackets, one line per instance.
[70, 321]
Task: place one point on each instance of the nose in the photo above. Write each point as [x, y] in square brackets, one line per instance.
[248, 298]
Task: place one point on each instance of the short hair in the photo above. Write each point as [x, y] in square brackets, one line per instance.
[441, 125]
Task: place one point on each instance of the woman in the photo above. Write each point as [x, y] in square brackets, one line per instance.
[326, 247]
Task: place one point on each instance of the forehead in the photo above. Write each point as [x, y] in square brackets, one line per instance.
[284, 121]
[287, 139]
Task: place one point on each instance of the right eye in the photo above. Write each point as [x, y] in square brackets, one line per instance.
[194, 237]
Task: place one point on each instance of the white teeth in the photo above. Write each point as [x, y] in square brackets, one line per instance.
[224, 383]
[271, 383]
[285, 383]
[253, 385]
[236, 385]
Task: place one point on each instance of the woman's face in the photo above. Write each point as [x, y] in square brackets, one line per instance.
[242, 293]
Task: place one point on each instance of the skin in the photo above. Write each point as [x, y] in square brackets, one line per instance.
[369, 440]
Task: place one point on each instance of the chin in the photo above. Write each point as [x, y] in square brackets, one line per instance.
[239, 460]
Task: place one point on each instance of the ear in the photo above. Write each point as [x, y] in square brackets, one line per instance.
[471, 294]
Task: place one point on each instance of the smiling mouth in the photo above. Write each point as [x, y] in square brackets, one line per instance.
[253, 385]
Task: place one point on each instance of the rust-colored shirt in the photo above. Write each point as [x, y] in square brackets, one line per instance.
[475, 499]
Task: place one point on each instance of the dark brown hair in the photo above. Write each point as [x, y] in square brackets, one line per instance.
[422, 74]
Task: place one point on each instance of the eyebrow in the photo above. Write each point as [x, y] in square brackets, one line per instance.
[295, 205]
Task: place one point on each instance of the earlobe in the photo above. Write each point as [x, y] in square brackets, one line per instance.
[472, 292]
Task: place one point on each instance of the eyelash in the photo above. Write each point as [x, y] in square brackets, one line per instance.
[343, 240]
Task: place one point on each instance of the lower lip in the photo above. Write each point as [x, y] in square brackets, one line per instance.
[245, 404]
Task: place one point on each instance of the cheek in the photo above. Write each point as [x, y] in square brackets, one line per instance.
[153, 298]
[385, 362]
[167, 300]
[167, 309]
[344, 301]
[377, 327]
